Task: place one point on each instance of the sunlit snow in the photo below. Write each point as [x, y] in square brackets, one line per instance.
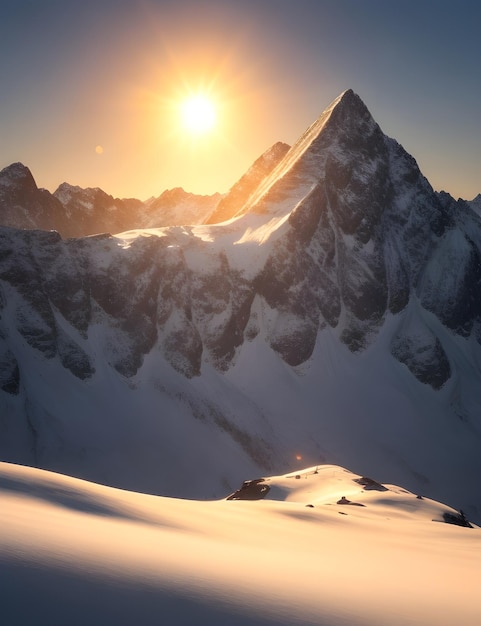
[73, 552]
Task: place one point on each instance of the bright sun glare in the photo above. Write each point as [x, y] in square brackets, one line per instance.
[198, 114]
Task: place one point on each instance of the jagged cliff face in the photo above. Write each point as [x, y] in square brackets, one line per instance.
[176, 207]
[91, 211]
[341, 288]
[23, 205]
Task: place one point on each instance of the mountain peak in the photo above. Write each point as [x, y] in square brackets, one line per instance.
[17, 174]
[345, 125]
[349, 98]
[349, 109]
[348, 106]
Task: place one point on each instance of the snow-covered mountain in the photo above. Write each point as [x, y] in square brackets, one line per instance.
[176, 207]
[475, 204]
[24, 205]
[77, 212]
[90, 211]
[242, 190]
[335, 317]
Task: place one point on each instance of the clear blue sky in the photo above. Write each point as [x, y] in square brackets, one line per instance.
[78, 75]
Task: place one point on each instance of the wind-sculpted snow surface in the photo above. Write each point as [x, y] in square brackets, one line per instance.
[335, 316]
[325, 547]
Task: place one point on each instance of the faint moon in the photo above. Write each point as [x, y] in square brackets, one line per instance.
[99, 149]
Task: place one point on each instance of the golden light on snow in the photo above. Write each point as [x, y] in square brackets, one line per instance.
[198, 114]
[389, 560]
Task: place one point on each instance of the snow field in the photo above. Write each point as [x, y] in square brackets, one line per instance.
[75, 552]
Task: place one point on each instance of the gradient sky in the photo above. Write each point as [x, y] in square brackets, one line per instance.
[111, 73]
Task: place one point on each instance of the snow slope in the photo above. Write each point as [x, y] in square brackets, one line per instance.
[73, 552]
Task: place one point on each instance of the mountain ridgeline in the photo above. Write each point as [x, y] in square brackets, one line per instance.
[325, 260]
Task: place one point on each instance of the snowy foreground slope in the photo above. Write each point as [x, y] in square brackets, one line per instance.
[73, 552]
[335, 315]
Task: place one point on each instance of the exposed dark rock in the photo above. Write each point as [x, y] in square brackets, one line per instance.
[451, 286]
[182, 347]
[251, 490]
[421, 351]
[458, 519]
[369, 484]
[24, 205]
[73, 357]
[344, 500]
[92, 211]
[9, 371]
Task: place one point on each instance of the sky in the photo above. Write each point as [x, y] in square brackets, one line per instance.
[91, 91]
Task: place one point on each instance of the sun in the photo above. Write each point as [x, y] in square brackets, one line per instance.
[198, 114]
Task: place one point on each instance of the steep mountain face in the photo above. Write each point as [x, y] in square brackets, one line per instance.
[475, 204]
[77, 212]
[240, 193]
[176, 207]
[24, 205]
[90, 211]
[334, 317]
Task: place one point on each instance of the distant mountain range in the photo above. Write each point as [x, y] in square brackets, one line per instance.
[77, 212]
[333, 315]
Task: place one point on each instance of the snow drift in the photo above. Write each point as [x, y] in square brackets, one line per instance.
[73, 552]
